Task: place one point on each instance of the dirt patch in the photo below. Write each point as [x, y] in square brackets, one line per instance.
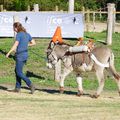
[47, 105]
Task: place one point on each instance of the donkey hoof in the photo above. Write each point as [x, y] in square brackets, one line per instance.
[79, 93]
[94, 96]
[119, 93]
[61, 90]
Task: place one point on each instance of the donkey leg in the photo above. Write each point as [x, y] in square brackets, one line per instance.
[118, 84]
[117, 78]
[63, 76]
[100, 77]
[80, 88]
[114, 72]
[61, 88]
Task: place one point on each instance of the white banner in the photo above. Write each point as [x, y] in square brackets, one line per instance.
[43, 24]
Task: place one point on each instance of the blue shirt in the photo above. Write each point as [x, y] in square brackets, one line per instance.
[22, 49]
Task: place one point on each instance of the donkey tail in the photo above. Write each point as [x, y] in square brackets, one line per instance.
[112, 67]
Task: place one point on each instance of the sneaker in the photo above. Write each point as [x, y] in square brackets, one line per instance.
[32, 88]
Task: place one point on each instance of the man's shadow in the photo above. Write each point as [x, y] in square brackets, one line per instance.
[4, 53]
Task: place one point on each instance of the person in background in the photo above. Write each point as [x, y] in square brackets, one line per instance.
[23, 40]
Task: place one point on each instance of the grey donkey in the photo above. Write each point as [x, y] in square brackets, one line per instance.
[98, 59]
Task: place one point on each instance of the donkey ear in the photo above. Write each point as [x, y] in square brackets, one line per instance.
[52, 45]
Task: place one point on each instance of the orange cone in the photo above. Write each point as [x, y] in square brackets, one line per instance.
[57, 36]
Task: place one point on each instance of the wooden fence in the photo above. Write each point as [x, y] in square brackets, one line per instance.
[96, 21]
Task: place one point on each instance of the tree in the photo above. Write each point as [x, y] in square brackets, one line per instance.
[49, 5]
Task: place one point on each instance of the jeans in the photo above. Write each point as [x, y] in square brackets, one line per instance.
[19, 74]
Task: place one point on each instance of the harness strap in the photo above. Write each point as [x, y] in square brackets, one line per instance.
[83, 58]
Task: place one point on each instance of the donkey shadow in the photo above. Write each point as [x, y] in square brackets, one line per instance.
[47, 90]
[67, 92]
[51, 91]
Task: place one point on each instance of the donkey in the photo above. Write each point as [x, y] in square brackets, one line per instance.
[98, 59]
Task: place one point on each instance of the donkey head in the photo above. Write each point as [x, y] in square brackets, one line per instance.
[55, 52]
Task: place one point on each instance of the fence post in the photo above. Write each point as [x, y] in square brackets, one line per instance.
[56, 8]
[28, 8]
[83, 10]
[36, 8]
[1, 8]
[114, 20]
[94, 21]
[110, 20]
[88, 20]
[57, 73]
[71, 6]
[100, 14]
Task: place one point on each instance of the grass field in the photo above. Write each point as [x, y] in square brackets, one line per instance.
[47, 103]
[50, 105]
[36, 65]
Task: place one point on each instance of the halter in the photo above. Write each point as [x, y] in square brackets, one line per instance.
[51, 55]
[49, 52]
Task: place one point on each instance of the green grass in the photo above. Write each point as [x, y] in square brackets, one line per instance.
[36, 65]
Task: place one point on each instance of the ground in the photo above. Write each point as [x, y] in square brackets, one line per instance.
[48, 104]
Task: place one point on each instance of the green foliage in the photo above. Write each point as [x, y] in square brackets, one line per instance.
[19, 5]
[49, 5]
